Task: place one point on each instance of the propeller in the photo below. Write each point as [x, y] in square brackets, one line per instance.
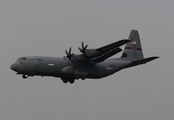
[69, 54]
[83, 49]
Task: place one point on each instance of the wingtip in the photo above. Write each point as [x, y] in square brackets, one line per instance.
[156, 57]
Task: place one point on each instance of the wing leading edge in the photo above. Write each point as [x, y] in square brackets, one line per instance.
[112, 46]
[109, 50]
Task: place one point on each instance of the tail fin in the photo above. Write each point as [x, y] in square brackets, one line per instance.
[133, 49]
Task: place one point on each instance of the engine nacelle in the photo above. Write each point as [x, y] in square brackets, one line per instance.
[92, 52]
[77, 58]
[68, 70]
[71, 70]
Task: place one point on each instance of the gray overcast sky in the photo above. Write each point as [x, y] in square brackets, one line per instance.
[48, 27]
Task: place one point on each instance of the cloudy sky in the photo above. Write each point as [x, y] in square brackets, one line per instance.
[48, 27]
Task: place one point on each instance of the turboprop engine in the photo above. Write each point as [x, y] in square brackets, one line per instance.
[86, 54]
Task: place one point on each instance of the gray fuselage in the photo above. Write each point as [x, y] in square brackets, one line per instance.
[64, 68]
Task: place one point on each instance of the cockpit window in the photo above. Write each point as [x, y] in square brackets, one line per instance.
[23, 58]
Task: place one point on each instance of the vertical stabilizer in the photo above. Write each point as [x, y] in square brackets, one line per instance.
[133, 49]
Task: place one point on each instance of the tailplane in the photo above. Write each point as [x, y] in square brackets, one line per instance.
[133, 49]
[142, 61]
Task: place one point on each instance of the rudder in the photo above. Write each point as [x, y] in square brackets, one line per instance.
[133, 49]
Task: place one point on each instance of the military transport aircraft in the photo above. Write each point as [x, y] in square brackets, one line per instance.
[91, 63]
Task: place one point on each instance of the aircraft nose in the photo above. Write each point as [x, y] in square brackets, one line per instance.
[13, 67]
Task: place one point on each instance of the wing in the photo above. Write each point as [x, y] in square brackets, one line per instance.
[109, 50]
[92, 53]
[112, 46]
[106, 55]
[97, 55]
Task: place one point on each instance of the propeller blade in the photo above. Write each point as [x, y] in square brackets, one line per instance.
[82, 45]
[83, 49]
[70, 50]
[79, 48]
[69, 54]
[86, 47]
[66, 52]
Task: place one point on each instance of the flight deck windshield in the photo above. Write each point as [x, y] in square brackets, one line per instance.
[22, 59]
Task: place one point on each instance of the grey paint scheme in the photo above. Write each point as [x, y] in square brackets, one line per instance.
[69, 70]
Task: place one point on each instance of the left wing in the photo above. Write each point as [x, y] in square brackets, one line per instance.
[92, 53]
[109, 50]
[96, 55]
[106, 55]
[112, 46]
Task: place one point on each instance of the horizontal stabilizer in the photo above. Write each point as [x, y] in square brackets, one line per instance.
[142, 61]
